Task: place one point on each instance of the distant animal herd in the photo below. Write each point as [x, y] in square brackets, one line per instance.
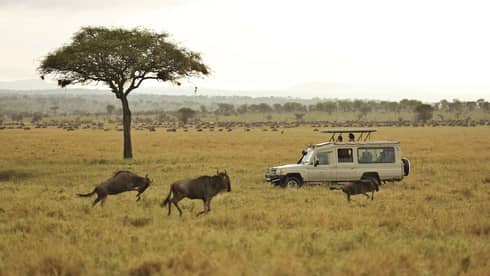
[204, 187]
[200, 126]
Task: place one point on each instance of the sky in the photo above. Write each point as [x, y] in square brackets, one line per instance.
[432, 48]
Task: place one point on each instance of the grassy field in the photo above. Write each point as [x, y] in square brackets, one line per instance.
[435, 222]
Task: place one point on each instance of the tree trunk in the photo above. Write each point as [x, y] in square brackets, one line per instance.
[128, 150]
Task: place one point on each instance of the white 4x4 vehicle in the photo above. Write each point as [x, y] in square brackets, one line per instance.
[338, 161]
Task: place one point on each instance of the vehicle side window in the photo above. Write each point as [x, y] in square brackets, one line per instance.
[323, 158]
[376, 155]
[345, 155]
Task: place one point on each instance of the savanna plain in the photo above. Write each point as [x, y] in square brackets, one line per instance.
[434, 222]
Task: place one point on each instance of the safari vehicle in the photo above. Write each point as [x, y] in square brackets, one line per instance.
[338, 161]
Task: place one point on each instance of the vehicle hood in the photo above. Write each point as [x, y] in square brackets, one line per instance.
[289, 166]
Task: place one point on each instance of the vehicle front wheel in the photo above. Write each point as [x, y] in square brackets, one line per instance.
[292, 182]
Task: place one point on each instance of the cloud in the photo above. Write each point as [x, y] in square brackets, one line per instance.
[87, 5]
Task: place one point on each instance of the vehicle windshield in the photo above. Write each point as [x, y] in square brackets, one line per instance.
[306, 157]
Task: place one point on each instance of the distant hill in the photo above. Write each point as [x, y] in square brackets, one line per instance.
[46, 87]
[314, 90]
[26, 85]
[73, 100]
[390, 92]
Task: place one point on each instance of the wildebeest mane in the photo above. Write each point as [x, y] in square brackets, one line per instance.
[202, 177]
[122, 171]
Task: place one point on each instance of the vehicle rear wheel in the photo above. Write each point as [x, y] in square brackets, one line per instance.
[406, 166]
[292, 182]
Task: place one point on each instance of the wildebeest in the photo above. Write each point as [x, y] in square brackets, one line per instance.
[204, 187]
[121, 181]
[362, 186]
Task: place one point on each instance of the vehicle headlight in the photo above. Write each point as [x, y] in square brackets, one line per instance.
[281, 171]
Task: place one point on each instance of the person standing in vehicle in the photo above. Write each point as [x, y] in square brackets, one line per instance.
[351, 137]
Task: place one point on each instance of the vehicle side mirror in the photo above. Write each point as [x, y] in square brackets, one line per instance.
[317, 162]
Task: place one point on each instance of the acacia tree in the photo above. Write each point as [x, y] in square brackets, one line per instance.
[185, 113]
[121, 59]
[423, 112]
[110, 108]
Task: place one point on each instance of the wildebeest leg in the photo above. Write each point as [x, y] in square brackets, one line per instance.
[348, 197]
[102, 201]
[175, 200]
[96, 200]
[209, 205]
[372, 195]
[366, 195]
[138, 196]
[205, 204]
[178, 208]
[169, 208]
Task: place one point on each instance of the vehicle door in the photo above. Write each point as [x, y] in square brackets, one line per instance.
[346, 165]
[320, 171]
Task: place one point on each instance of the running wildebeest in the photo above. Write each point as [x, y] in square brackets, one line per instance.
[121, 181]
[204, 187]
[360, 187]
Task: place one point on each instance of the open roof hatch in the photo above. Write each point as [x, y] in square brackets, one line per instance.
[365, 134]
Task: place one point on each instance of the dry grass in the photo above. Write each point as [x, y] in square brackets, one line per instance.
[434, 222]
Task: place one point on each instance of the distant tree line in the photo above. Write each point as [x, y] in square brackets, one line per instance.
[358, 106]
[35, 107]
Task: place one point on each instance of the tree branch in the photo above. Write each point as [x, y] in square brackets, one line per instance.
[141, 79]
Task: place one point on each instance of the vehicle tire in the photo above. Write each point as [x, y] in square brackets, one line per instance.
[292, 182]
[406, 166]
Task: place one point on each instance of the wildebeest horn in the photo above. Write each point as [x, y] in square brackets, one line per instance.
[217, 172]
[226, 172]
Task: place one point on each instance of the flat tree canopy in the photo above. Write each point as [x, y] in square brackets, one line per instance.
[424, 112]
[185, 113]
[121, 59]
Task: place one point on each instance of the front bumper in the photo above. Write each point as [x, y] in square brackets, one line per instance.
[274, 179]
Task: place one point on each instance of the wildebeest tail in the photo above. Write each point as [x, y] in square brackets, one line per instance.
[167, 200]
[89, 194]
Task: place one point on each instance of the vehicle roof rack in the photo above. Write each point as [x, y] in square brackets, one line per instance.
[365, 133]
